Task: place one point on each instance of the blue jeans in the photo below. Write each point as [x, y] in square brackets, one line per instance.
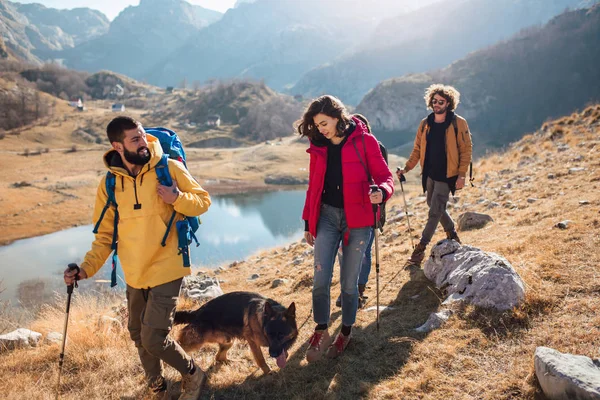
[365, 268]
[330, 232]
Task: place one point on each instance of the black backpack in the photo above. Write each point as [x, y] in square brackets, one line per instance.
[384, 153]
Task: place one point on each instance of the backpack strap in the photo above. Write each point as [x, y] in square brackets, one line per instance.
[164, 178]
[110, 183]
[455, 125]
[162, 171]
[369, 177]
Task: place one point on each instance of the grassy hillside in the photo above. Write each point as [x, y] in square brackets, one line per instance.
[477, 354]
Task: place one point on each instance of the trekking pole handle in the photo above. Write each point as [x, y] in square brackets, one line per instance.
[73, 266]
[374, 189]
[402, 177]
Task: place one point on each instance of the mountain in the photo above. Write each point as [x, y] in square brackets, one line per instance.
[274, 40]
[507, 89]
[32, 32]
[140, 36]
[427, 38]
[65, 28]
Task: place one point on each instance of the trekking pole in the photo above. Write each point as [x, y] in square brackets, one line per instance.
[403, 179]
[375, 188]
[64, 339]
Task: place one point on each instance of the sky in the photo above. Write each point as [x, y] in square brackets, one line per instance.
[111, 8]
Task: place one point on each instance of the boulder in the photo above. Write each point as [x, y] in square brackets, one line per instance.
[201, 288]
[53, 337]
[278, 282]
[567, 376]
[472, 220]
[469, 274]
[19, 338]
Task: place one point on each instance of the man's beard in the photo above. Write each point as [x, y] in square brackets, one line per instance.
[441, 110]
[136, 158]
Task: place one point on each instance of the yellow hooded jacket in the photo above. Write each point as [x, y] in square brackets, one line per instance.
[141, 228]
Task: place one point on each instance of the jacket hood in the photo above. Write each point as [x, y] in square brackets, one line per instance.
[114, 162]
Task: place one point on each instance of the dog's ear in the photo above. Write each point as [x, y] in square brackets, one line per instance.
[268, 309]
[291, 311]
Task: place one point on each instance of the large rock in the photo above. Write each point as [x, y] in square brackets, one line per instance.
[201, 288]
[20, 338]
[53, 338]
[567, 376]
[469, 274]
[472, 220]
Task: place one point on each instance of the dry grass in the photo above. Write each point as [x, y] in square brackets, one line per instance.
[477, 354]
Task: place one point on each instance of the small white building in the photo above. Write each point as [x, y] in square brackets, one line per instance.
[118, 107]
[213, 120]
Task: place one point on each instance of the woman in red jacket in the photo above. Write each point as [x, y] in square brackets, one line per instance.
[338, 208]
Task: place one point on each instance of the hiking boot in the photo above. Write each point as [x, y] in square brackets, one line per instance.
[453, 236]
[339, 345]
[318, 344]
[158, 387]
[191, 385]
[418, 254]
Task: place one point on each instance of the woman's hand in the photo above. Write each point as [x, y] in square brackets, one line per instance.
[310, 239]
[376, 197]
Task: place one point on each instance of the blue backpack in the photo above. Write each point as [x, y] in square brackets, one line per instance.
[172, 148]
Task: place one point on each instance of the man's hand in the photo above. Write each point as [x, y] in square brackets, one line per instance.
[400, 172]
[460, 182]
[310, 239]
[168, 193]
[69, 275]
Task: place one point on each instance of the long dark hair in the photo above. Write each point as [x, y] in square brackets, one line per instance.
[328, 105]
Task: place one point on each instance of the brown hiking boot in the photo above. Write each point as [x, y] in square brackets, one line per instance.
[318, 343]
[339, 345]
[453, 236]
[418, 254]
[191, 385]
[158, 387]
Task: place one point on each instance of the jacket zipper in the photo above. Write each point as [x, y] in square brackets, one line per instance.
[137, 205]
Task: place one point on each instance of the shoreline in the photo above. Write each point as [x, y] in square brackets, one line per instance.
[221, 187]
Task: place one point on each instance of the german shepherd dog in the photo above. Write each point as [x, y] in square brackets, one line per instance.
[241, 315]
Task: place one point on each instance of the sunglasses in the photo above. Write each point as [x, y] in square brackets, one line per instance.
[440, 102]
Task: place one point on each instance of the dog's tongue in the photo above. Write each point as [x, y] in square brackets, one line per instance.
[282, 359]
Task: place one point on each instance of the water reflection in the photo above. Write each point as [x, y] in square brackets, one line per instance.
[234, 227]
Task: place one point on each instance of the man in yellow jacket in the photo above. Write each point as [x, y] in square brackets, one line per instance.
[443, 148]
[153, 273]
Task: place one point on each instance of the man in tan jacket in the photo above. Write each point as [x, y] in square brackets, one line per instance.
[443, 148]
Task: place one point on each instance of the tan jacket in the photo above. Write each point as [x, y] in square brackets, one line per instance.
[458, 152]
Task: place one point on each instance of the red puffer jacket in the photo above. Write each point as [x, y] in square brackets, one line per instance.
[357, 206]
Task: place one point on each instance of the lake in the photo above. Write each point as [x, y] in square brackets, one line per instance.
[234, 227]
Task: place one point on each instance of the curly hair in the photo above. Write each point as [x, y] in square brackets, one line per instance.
[328, 105]
[451, 95]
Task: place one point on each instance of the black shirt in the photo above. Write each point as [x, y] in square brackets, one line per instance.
[435, 153]
[333, 193]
